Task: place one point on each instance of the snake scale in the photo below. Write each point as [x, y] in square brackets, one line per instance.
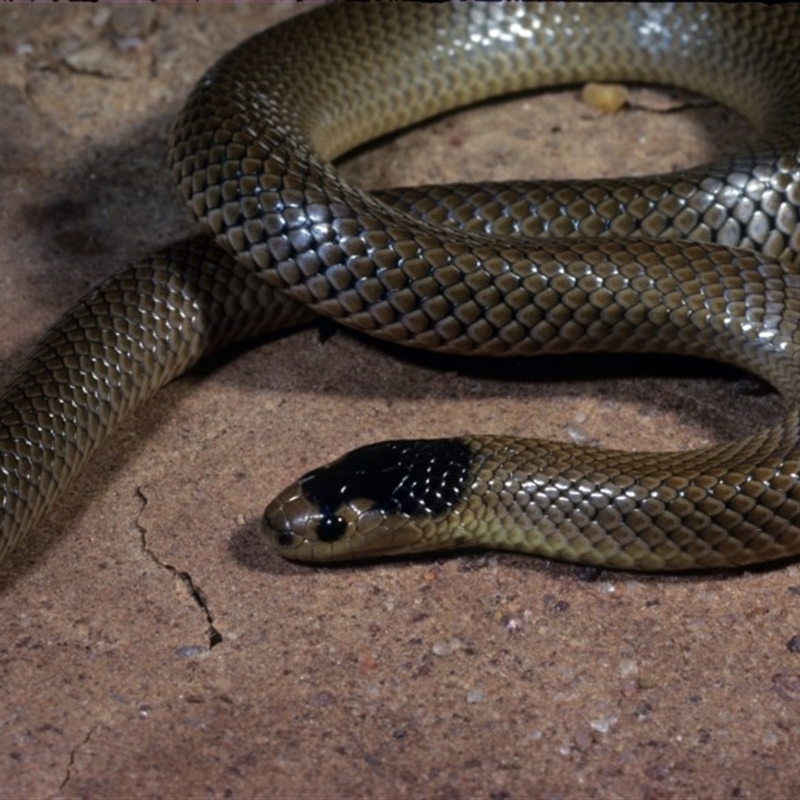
[700, 262]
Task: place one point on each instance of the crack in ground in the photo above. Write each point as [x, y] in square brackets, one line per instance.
[73, 753]
[195, 592]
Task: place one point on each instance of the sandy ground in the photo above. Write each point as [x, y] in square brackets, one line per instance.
[153, 647]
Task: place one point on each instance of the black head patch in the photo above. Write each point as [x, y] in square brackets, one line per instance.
[412, 477]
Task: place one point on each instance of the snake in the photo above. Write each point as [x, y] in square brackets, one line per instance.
[701, 262]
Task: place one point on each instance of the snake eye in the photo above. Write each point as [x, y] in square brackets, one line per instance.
[331, 528]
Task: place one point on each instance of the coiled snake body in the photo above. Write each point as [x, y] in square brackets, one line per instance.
[700, 262]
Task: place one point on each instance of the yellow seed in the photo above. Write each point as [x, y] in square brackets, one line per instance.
[606, 97]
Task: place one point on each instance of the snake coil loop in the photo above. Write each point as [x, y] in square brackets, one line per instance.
[701, 262]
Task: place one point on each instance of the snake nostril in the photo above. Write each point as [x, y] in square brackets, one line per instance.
[285, 538]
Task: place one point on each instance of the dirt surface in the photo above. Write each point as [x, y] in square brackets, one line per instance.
[153, 647]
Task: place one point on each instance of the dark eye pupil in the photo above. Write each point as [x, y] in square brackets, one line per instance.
[331, 528]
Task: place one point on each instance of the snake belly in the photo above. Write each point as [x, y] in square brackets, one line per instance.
[700, 262]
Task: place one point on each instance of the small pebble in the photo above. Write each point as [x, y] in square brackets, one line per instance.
[604, 724]
[787, 686]
[191, 650]
[446, 648]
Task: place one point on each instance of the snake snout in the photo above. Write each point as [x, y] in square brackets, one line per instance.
[288, 522]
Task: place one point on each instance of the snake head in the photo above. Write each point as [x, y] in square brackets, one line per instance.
[383, 499]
